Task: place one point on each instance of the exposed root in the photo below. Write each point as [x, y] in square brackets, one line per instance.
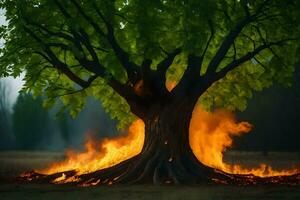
[157, 170]
[147, 170]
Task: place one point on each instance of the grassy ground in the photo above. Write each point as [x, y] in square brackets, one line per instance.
[45, 192]
[13, 163]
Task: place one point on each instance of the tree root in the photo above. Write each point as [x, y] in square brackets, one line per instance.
[158, 171]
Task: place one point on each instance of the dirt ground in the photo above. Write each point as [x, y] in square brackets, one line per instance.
[13, 163]
[50, 192]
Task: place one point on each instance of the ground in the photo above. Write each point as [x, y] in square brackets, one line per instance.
[13, 163]
[45, 192]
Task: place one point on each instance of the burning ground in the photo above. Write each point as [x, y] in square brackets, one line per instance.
[211, 134]
[13, 163]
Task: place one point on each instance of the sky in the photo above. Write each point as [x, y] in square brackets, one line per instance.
[14, 84]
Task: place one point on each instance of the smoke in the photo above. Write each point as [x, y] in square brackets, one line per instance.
[67, 132]
[92, 121]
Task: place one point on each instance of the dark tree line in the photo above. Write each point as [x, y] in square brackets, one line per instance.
[30, 126]
[5, 122]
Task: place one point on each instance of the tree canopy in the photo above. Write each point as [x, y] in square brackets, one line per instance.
[73, 49]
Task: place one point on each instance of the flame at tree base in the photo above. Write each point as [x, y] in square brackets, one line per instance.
[210, 135]
[102, 154]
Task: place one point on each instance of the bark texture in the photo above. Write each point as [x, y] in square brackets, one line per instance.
[166, 157]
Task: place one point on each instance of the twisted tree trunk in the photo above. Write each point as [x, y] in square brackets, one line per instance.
[167, 154]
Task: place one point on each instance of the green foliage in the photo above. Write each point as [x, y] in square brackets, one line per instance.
[146, 29]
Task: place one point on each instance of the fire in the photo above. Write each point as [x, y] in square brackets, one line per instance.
[210, 135]
[104, 154]
[59, 179]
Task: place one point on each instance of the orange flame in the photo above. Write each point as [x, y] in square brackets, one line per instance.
[210, 135]
[104, 154]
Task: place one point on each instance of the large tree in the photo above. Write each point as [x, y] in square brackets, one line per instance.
[125, 52]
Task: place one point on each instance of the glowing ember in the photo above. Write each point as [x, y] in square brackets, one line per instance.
[91, 182]
[60, 179]
[210, 135]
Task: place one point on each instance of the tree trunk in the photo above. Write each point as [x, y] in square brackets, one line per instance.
[166, 157]
[167, 151]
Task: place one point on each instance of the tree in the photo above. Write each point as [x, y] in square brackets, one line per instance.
[62, 121]
[30, 122]
[123, 53]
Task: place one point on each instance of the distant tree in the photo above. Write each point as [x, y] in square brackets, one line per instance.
[5, 126]
[122, 52]
[30, 122]
[63, 123]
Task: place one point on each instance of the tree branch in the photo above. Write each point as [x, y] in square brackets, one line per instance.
[190, 76]
[130, 67]
[53, 59]
[125, 91]
[163, 66]
[89, 19]
[223, 49]
[82, 37]
[248, 57]
[232, 35]
[212, 32]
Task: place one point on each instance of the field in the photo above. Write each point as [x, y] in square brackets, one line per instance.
[13, 163]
